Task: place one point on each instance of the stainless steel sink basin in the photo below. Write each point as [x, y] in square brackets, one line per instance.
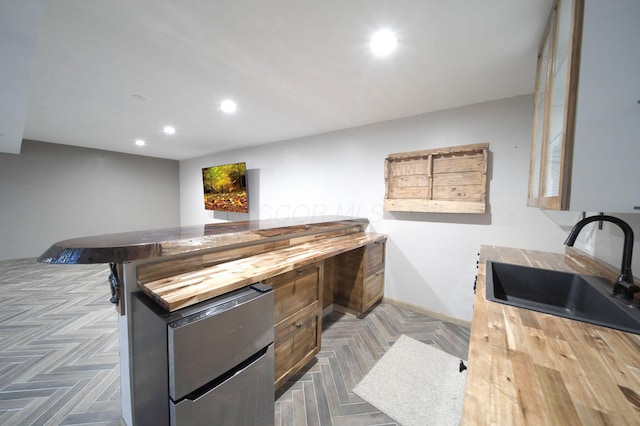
[577, 297]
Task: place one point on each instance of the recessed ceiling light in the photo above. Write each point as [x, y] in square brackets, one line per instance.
[228, 106]
[169, 130]
[140, 142]
[383, 42]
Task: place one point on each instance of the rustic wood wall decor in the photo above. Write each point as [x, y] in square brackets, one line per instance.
[443, 180]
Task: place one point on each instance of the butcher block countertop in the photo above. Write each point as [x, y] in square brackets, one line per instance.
[530, 368]
[182, 290]
[179, 267]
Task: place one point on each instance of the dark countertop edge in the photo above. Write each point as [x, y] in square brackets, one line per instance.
[147, 244]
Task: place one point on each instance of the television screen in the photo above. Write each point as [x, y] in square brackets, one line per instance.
[225, 188]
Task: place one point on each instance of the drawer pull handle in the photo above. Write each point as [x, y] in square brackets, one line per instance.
[298, 325]
[299, 271]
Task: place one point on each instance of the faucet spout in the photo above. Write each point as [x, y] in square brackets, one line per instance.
[624, 285]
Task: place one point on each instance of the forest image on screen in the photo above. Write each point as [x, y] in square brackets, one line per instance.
[225, 188]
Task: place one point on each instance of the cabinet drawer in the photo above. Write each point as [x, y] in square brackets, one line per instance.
[296, 342]
[295, 290]
[374, 256]
[240, 399]
[241, 320]
[373, 289]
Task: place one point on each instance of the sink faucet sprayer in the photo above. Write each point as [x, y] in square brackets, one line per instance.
[624, 285]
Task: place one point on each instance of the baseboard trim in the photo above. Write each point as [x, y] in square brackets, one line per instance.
[327, 310]
[422, 310]
[408, 306]
[345, 310]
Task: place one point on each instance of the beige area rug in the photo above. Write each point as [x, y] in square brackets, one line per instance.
[415, 384]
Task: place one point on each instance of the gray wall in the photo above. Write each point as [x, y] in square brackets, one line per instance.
[430, 257]
[52, 192]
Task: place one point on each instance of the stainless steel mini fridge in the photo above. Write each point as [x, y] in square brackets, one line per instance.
[217, 367]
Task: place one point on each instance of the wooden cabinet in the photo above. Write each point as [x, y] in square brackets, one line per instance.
[586, 115]
[297, 318]
[353, 279]
[555, 103]
[359, 277]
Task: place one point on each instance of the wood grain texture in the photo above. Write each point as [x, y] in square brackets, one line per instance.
[434, 206]
[359, 277]
[328, 283]
[196, 261]
[452, 180]
[297, 318]
[531, 368]
[137, 245]
[186, 289]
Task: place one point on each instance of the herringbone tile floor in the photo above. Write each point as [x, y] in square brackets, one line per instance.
[59, 353]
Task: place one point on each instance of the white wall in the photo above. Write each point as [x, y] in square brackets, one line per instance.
[52, 192]
[606, 244]
[430, 257]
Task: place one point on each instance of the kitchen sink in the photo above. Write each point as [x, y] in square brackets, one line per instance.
[574, 296]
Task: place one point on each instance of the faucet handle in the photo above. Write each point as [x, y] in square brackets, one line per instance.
[625, 290]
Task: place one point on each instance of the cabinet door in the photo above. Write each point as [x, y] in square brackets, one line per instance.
[539, 113]
[554, 116]
[561, 92]
[374, 257]
[297, 340]
[373, 289]
[295, 290]
[373, 286]
[297, 319]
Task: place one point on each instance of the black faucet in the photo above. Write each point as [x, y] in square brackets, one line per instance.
[624, 286]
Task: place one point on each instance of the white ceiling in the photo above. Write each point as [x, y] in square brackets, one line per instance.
[294, 67]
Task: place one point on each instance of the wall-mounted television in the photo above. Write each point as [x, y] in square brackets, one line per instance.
[225, 188]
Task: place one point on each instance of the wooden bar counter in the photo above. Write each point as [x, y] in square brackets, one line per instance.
[178, 268]
[530, 368]
[157, 243]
